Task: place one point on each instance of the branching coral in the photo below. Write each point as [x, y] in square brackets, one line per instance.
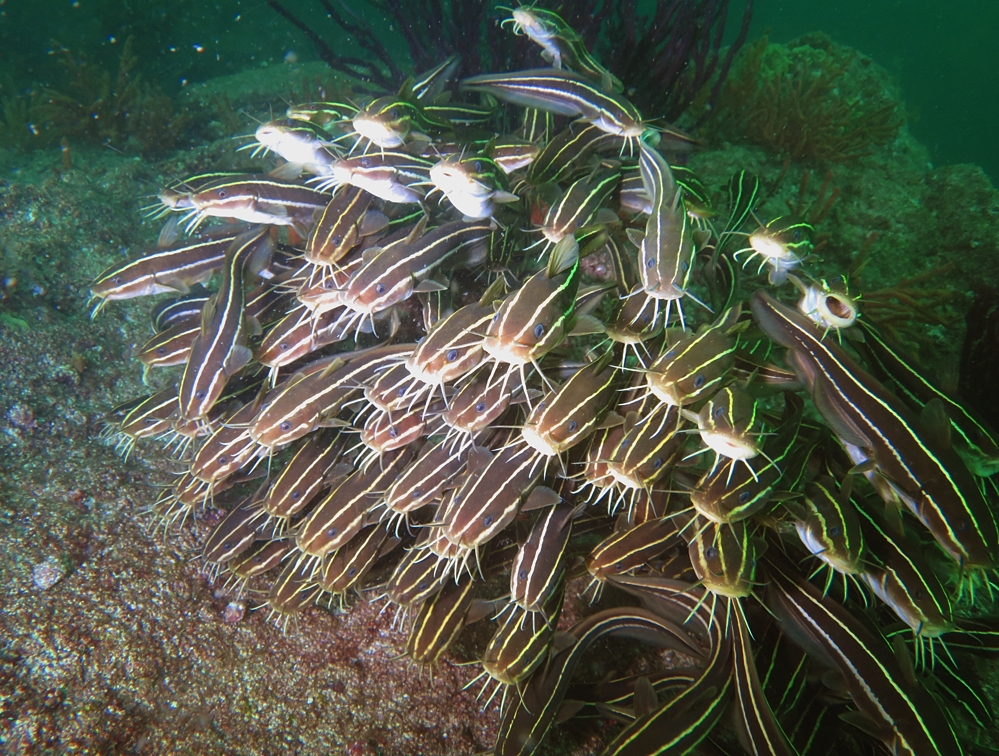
[803, 101]
[905, 309]
[95, 107]
[664, 57]
[667, 57]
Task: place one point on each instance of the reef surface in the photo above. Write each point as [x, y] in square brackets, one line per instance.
[112, 639]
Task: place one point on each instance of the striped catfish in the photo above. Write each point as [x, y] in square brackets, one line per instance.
[341, 514]
[294, 590]
[474, 184]
[535, 318]
[977, 444]
[436, 469]
[678, 725]
[340, 226]
[829, 527]
[562, 93]
[906, 718]
[220, 349]
[570, 413]
[255, 561]
[256, 199]
[580, 204]
[390, 175]
[439, 621]
[303, 476]
[303, 144]
[390, 275]
[160, 271]
[345, 568]
[452, 348]
[692, 366]
[898, 573]
[629, 549]
[315, 394]
[781, 245]
[739, 489]
[759, 730]
[538, 570]
[517, 648]
[561, 157]
[527, 721]
[931, 480]
[667, 249]
[490, 497]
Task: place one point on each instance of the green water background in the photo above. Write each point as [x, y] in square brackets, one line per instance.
[942, 54]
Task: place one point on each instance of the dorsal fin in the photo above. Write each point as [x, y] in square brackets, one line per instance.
[493, 292]
[564, 256]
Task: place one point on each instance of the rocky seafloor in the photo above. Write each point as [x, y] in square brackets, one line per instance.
[113, 639]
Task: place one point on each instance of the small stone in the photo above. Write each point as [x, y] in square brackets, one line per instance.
[234, 612]
[47, 573]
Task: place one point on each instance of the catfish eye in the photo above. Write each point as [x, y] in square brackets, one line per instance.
[480, 407]
[698, 380]
[283, 346]
[744, 497]
[572, 426]
[650, 262]
[835, 531]
[285, 426]
[365, 162]
[223, 460]
[719, 412]
[331, 532]
[295, 495]
[351, 572]
[161, 350]
[452, 355]
[487, 520]
[117, 280]
[417, 493]
[393, 432]
[522, 574]
[657, 463]
[711, 552]
[379, 288]
[477, 165]
[337, 239]
[221, 194]
[539, 331]
[199, 394]
[670, 354]
[796, 235]
[646, 318]
[394, 113]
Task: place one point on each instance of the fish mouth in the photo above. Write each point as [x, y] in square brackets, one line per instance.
[377, 132]
[533, 438]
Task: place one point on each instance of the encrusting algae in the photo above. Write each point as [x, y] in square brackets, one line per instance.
[485, 353]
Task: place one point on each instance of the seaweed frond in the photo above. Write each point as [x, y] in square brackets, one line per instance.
[95, 107]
